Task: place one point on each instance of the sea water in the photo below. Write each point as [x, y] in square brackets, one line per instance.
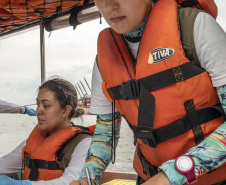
[14, 128]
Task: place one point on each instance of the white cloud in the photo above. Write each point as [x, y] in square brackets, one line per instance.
[69, 54]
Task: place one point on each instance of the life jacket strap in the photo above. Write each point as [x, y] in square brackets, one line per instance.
[140, 180]
[148, 168]
[190, 3]
[35, 164]
[193, 117]
[131, 89]
[146, 113]
[181, 126]
[146, 135]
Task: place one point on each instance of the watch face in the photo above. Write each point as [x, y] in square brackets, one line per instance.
[184, 163]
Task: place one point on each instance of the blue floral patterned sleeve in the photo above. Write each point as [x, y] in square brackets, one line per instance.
[99, 154]
[208, 155]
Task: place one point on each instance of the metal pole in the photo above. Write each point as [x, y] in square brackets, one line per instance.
[87, 84]
[83, 87]
[42, 50]
[78, 91]
[81, 17]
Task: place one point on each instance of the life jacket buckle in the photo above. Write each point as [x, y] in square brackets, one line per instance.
[130, 90]
[29, 162]
[145, 133]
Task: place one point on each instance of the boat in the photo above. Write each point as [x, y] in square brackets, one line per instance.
[21, 16]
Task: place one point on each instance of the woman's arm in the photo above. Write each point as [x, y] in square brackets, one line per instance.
[99, 155]
[213, 147]
[6, 107]
[12, 162]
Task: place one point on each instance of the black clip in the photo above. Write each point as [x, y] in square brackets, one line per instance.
[145, 133]
[29, 162]
[130, 90]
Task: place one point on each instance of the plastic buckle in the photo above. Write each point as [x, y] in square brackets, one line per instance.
[28, 161]
[130, 90]
[145, 133]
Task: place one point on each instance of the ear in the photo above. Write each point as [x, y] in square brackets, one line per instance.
[67, 111]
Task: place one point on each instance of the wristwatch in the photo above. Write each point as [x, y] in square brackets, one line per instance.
[184, 164]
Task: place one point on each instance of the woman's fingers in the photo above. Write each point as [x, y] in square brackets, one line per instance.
[79, 182]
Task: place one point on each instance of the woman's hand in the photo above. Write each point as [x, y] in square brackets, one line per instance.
[81, 182]
[160, 179]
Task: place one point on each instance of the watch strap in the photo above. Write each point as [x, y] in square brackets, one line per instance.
[191, 177]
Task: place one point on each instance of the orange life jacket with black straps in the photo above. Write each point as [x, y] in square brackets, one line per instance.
[45, 158]
[170, 103]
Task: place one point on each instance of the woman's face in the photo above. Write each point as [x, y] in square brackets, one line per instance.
[124, 15]
[50, 115]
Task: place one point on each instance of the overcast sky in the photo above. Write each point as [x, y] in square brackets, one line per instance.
[69, 54]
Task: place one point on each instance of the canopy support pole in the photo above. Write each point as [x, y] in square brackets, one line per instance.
[42, 50]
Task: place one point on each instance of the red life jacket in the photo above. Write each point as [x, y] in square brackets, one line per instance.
[42, 154]
[169, 102]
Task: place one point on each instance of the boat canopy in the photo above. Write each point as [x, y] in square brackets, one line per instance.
[19, 16]
[24, 14]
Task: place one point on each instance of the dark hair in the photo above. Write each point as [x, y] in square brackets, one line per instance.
[154, 1]
[65, 93]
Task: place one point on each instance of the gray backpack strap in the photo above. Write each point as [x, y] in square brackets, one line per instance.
[64, 156]
[187, 18]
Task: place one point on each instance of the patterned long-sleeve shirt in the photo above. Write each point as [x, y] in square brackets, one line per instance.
[99, 154]
[208, 155]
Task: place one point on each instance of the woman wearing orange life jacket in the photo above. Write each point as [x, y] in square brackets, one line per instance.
[130, 56]
[56, 149]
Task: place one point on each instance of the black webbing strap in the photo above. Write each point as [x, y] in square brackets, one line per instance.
[34, 164]
[193, 119]
[147, 167]
[73, 19]
[131, 88]
[188, 3]
[181, 126]
[146, 113]
[140, 180]
[223, 182]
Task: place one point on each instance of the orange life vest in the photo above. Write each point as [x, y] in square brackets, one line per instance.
[172, 118]
[41, 153]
